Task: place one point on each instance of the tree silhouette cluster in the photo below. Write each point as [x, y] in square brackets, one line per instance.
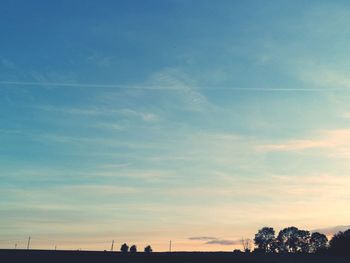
[294, 240]
[133, 249]
[290, 240]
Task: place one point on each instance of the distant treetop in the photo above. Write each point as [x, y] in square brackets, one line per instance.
[124, 248]
[148, 249]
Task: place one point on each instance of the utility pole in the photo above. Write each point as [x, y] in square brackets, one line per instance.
[170, 246]
[112, 245]
[16, 246]
[28, 244]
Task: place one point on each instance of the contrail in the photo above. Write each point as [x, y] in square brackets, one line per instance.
[77, 85]
[164, 87]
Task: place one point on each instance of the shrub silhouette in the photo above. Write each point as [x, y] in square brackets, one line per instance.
[124, 248]
[148, 249]
[133, 249]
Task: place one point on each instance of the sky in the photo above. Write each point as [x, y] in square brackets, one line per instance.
[192, 121]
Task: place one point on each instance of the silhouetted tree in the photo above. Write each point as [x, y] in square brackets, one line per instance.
[287, 239]
[148, 249]
[246, 244]
[265, 239]
[318, 242]
[303, 241]
[124, 248]
[133, 249]
[340, 243]
[275, 246]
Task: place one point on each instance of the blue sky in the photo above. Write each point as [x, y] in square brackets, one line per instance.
[145, 121]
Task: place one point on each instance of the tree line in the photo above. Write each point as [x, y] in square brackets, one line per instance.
[289, 240]
[294, 240]
[133, 249]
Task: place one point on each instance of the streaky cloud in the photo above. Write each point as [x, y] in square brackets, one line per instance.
[202, 238]
[330, 231]
[223, 242]
[164, 87]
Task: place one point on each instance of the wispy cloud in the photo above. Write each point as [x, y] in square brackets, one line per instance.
[148, 175]
[76, 111]
[109, 125]
[330, 231]
[147, 117]
[338, 139]
[95, 111]
[295, 145]
[215, 241]
[101, 189]
[202, 238]
[324, 76]
[7, 64]
[100, 60]
[223, 242]
[183, 86]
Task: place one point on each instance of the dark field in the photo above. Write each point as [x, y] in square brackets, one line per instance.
[24, 256]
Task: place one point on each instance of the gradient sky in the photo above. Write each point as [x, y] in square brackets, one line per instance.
[195, 121]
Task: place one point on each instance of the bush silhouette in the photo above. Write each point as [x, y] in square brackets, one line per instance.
[133, 249]
[124, 248]
[148, 249]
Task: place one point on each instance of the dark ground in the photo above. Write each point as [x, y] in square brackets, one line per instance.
[38, 256]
